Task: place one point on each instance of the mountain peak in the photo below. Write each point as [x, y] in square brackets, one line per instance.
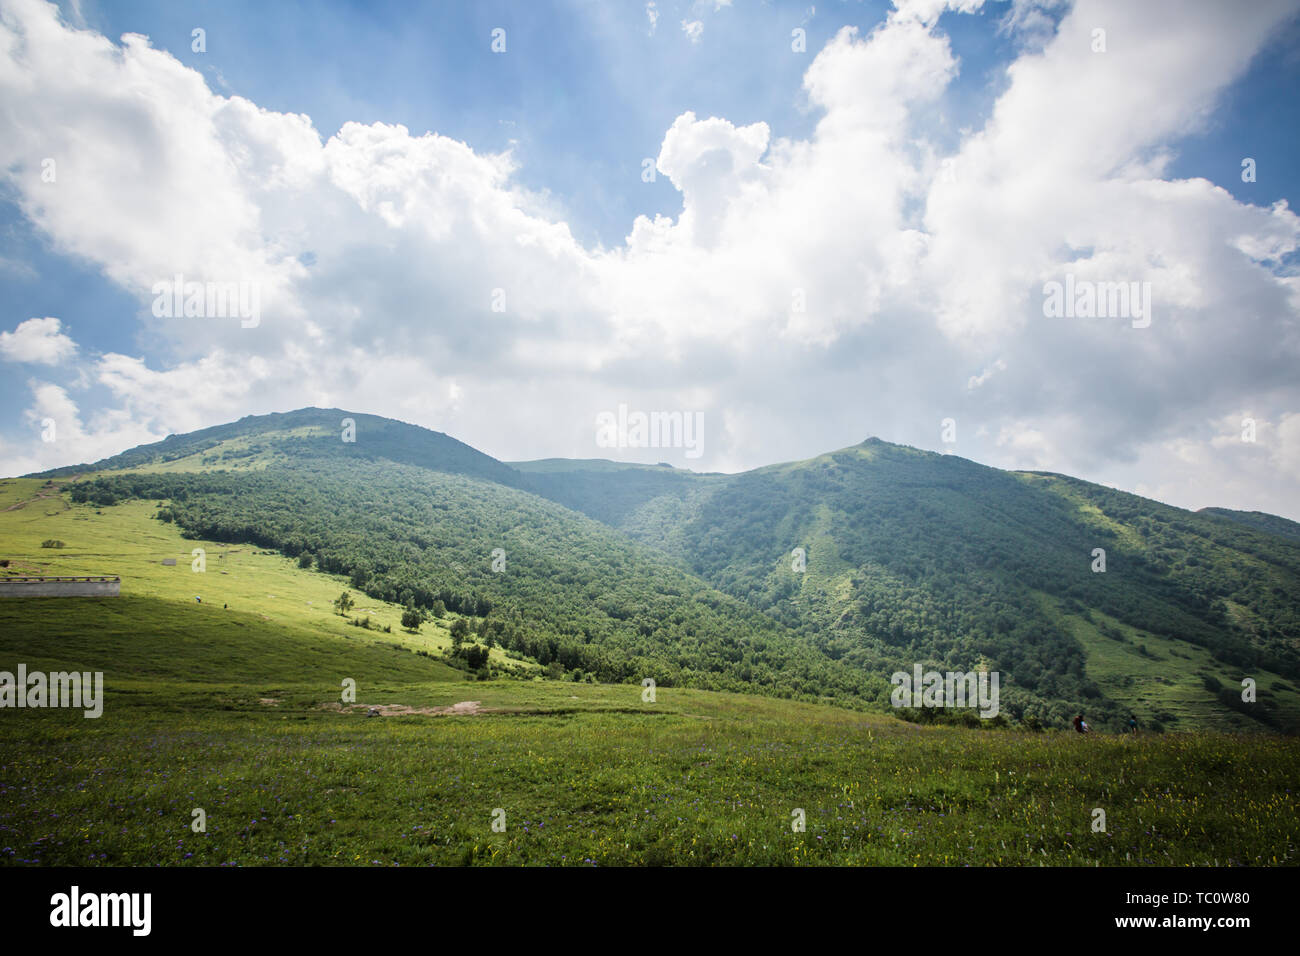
[309, 432]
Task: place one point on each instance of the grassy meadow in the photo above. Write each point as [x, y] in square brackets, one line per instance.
[236, 711]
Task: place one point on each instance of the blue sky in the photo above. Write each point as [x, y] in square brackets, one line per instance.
[584, 92]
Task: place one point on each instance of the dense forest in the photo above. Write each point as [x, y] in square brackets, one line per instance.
[917, 556]
[946, 544]
[570, 591]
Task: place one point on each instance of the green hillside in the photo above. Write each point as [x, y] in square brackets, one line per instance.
[917, 556]
[615, 572]
[257, 440]
[571, 594]
[1259, 520]
[127, 540]
[612, 492]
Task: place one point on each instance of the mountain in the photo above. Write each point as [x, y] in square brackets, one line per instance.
[912, 555]
[308, 433]
[411, 516]
[611, 492]
[813, 579]
[1270, 524]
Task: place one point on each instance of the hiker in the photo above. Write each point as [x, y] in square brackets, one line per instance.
[1079, 724]
[1132, 725]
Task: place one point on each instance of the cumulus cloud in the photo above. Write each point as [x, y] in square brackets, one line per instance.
[808, 293]
[63, 435]
[694, 29]
[977, 380]
[37, 341]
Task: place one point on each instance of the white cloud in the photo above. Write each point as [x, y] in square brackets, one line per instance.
[38, 341]
[694, 29]
[61, 437]
[652, 16]
[977, 380]
[808, 293]
[1217, 466]
[928, 11]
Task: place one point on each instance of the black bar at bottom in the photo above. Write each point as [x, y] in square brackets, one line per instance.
[329, 904]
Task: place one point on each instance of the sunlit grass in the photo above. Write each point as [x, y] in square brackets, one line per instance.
[586, 774]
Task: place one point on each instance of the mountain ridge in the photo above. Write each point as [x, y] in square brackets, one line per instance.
[515, 470]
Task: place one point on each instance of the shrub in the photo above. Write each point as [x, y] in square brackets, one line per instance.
[52, 543]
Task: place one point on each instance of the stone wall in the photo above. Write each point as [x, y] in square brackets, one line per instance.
[60, 587]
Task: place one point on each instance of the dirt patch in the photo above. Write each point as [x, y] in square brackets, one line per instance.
[39, 497]
[464, 707]
[269, 701]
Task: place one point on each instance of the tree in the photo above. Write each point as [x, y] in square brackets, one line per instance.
[438, 609]
[458, 631]
[305, 559]
[411, 618]
[344, 603]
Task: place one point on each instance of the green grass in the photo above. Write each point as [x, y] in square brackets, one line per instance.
[585, 773]
[234, 711]
[126, 540]
[1167, 682]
